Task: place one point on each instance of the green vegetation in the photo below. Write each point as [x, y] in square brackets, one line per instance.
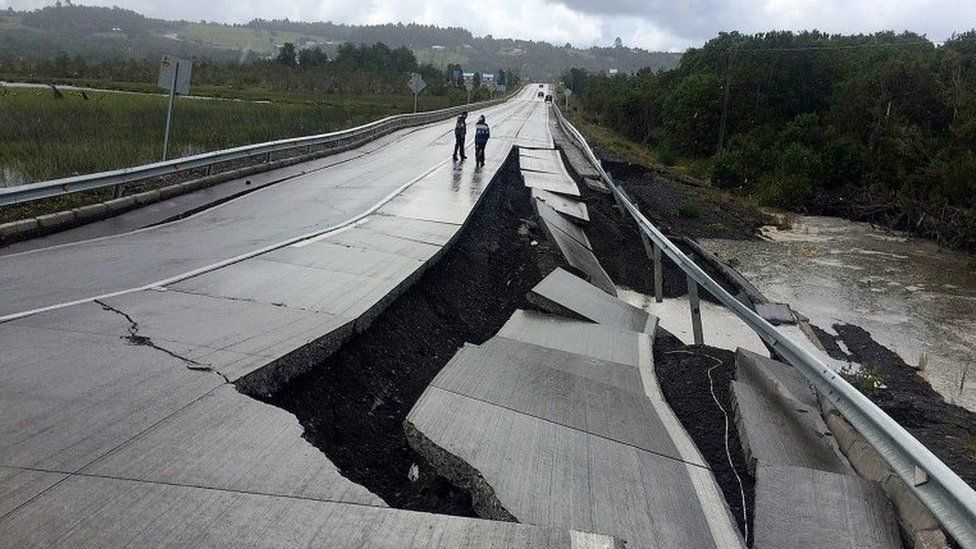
[879, 127]
[689, 211]
[46, 137]
[114, 34]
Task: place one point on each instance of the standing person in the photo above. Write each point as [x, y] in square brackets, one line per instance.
[460, 129]
[481, 135]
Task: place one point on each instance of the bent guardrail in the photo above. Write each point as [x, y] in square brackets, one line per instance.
[114, 178]
[946, 495]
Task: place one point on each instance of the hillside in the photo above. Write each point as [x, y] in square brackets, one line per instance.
[114, 33]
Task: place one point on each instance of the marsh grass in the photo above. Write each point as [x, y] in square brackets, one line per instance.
[44, 137]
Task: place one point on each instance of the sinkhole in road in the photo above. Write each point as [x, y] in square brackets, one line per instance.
[352, 404]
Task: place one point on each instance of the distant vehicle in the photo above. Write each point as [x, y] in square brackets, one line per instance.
[541, 85]
[541, 94]
[549, 98]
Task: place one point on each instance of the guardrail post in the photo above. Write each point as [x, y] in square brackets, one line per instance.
[117, 191]
[654, 254]
[658, 276]
[696, 323]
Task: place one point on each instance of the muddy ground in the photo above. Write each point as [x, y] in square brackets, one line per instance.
[352, 406]
[949, 431]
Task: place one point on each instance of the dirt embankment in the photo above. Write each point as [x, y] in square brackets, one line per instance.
[352, 406]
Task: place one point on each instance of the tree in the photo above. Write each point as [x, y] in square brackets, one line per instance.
[618, 43]
[286, 55]
[310, 58]
[477, 80]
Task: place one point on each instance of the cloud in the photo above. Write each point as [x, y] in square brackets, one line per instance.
[653, 24]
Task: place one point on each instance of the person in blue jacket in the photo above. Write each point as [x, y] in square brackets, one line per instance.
[481, 135]
[460, 129]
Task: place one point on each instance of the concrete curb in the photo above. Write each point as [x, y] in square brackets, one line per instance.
[917, 523]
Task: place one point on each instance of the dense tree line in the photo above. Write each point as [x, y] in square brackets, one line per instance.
[879, 127]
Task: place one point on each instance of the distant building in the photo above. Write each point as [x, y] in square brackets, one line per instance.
[612, 71]
[436, 47]
[486, 77]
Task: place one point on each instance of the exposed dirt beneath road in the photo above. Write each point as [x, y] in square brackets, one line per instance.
[352, 406]
[689, 375]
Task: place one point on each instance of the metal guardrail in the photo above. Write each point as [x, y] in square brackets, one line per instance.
[946, 495]
[115, 178]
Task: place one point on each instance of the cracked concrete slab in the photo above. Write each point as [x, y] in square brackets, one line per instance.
[556, 183]
[103, 512]
[544, 473]
[349, 260]
[565, 294]
[559, 387]
[576, 336]
[800, 507]
[61, 419]
[18, 486]
[783, 431]
[541, 160]
[230, 441]
[554, 219]
[334, 293]
[566, 206]
[773, 377]
[575, 247]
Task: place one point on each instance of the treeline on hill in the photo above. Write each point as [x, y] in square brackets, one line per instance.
[110, 34]
[361, 69]
[879, 127]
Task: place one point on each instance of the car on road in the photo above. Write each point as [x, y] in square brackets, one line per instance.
[542, 94]
[548, 98]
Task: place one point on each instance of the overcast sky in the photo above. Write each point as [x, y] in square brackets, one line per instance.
[653, 24]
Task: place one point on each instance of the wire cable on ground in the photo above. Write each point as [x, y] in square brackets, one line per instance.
[728, 451]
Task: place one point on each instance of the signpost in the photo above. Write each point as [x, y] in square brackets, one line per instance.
[567, 92]
[469, 85]
[491, 89]
[417, 85]
[174, 75]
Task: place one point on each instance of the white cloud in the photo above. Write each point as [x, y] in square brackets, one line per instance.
[653, 24]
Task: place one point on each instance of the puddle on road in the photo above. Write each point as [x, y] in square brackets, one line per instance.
[913, 297]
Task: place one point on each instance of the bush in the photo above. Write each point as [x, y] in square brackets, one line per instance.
[689, 211]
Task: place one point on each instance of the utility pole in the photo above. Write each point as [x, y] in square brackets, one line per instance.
[725, 101]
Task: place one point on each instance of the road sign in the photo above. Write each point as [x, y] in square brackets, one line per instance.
[416, 84]
[174, 74]
[469, 85]
[567, 92]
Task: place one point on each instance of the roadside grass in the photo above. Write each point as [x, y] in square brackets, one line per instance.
[636, 152]
[693, 172]
[44, 137]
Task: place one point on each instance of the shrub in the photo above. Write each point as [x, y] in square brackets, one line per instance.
[689, 211]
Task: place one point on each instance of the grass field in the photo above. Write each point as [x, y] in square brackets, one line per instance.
[242, 38]
[43, 137]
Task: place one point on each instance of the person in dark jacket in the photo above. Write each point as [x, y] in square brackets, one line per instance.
[460, 129]
[481, 135]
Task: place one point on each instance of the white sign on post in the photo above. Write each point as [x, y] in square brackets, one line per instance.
[417, 85]
[491, 88]
[174, 75]
[567, 92]
[469, 85]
